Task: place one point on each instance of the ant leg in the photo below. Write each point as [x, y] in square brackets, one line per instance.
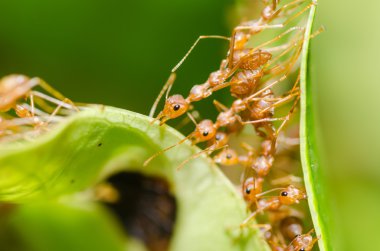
[290, 46]
[295, 28]
[299, 13]
[250, 217]
[224, 85]
[296, 43]
[31, 97]
[262, 120]
[287, 180]
[248, 147]
[280, 102]
[193, 46]
[44, 85]
[249, 28]
[166, 88]
[53, 100]
[289, 7]
[219, 106]
[287, 118]
[208, 151]
[278, 80]
[252, 51]
[56, 110]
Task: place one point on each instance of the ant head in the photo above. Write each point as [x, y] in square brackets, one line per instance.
[175, 106]
[303, 242]
[221, 139]
[251, 187]
[227, 157]
[291, 195]
[204, 131]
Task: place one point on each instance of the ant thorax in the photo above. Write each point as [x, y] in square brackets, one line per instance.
[262, 165]
[199, 92]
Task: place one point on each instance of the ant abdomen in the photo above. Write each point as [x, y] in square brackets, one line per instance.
[253, 61]
[245, 82]
[291, 227]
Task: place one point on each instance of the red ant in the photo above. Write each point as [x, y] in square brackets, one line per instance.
[220, 141]
[204, 131]
[304, 242]
[15, 87]
[288, 196]
[291, 228]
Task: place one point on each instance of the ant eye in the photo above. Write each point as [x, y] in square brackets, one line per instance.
[302, 249]
[229, 156]
[284, 194]
[176, 107]
[248, 190]
[205, 133]
[218, 137]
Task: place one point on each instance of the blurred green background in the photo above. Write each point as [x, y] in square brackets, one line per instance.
[345, 70]
[111, 52]
[121, 52]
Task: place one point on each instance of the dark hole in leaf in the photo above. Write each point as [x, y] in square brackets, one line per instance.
[100, 144]
[145, 208]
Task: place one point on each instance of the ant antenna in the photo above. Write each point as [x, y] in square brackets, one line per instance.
[167, 87]
[192, 118]
[193, 46]
[166, 149]
[269, 191]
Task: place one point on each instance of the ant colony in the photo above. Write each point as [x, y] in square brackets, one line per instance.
[257, 131]
[26, 112]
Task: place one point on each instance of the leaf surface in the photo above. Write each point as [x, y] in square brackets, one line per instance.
[313, 173]
[100, 141]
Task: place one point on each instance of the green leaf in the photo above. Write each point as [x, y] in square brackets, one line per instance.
[63, 226]
[100, 141]
[313, 173]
